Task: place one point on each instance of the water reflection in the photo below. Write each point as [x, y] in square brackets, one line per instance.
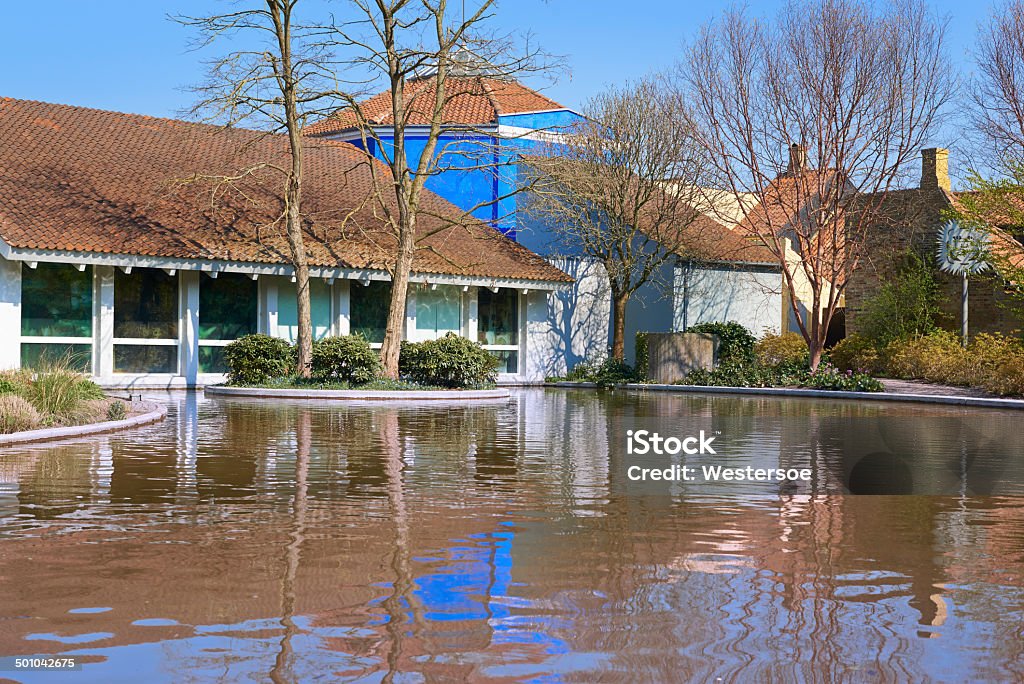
[242, 541]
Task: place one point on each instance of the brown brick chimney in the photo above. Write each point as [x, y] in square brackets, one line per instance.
[797, 159]
[935, 169]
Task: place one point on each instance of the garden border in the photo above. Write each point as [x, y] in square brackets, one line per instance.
[979, 402]
[154, 413]
[358, 395]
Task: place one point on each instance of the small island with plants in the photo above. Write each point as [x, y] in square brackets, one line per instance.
[52, 396]
[349, 367]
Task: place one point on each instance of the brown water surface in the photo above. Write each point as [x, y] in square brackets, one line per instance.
[302, 541]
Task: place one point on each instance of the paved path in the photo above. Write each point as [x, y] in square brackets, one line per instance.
[919, 387]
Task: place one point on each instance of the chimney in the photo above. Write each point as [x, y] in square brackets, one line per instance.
[797, 159]
[935, 169]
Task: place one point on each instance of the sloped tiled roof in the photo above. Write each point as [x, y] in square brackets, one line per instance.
[471, 101]
[87, 180]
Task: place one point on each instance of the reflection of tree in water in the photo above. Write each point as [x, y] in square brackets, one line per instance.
[283, 670]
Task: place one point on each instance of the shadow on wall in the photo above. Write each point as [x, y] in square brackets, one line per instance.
[708, 294]
[575, 328]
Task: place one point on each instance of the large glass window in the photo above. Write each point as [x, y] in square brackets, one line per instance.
[288, 312]
[368, 309]
[228, 307]
[498, 326]
[438, 311]
[56, 315]
[145, 321]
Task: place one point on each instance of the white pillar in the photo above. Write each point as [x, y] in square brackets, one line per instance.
[470, 313]
[10, 314]
[188, 328]
[103, 322]
[270, 289]
[410, 314]
[342, 307]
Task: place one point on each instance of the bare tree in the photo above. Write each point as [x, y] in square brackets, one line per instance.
[420, 50]
[857, 88]
[998, 88]
[274, 84]
[621, 188]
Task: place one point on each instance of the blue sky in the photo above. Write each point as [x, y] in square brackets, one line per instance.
[126, 55]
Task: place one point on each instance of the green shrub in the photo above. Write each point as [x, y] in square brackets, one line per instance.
[450, 361]
[857, 353]
[826, 377]
[256, 359]
[117, 411]
[641, 366]
[347, 359]
[17, 414]
[787, 349]
[905, 306]
[735, 343]
[606, 373]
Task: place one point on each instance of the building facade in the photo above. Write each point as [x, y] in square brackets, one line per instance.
[113, 253]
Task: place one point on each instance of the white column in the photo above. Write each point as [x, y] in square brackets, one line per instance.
[342, 307]
[10, 314]
[410, 314]
[188, 328]
[470, 313]
[271, 305]
[103, 322]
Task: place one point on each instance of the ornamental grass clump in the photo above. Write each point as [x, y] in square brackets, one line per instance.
[17, 414]
[59, 392]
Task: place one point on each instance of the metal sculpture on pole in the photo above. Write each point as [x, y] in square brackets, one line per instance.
[963, 251]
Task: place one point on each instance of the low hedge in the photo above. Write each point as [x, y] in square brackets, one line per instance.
[992, 362]
[450, 361]
[826, 377]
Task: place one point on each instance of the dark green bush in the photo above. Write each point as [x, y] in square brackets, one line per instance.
[256, 359]
[347, 359]
[450, 361]
[735, 342]
[606, 373]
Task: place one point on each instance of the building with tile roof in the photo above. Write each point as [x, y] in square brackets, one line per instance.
[122, 241]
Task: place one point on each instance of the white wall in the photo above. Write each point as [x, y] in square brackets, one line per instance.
[10, 314]
[567, 327]
[750, 296]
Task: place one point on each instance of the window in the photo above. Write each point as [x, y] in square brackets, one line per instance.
[498, 326]
[56, 315]
[227, 310]
[145, 321]
[368, 309]
[438, 312]
[288, 312]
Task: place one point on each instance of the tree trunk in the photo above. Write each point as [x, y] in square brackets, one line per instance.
[619, 301]
[304, 343]
[399, 294]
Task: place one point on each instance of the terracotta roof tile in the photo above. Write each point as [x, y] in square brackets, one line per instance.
[94, 181]
[472, 101]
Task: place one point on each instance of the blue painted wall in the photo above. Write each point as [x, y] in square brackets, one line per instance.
[488, 192]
